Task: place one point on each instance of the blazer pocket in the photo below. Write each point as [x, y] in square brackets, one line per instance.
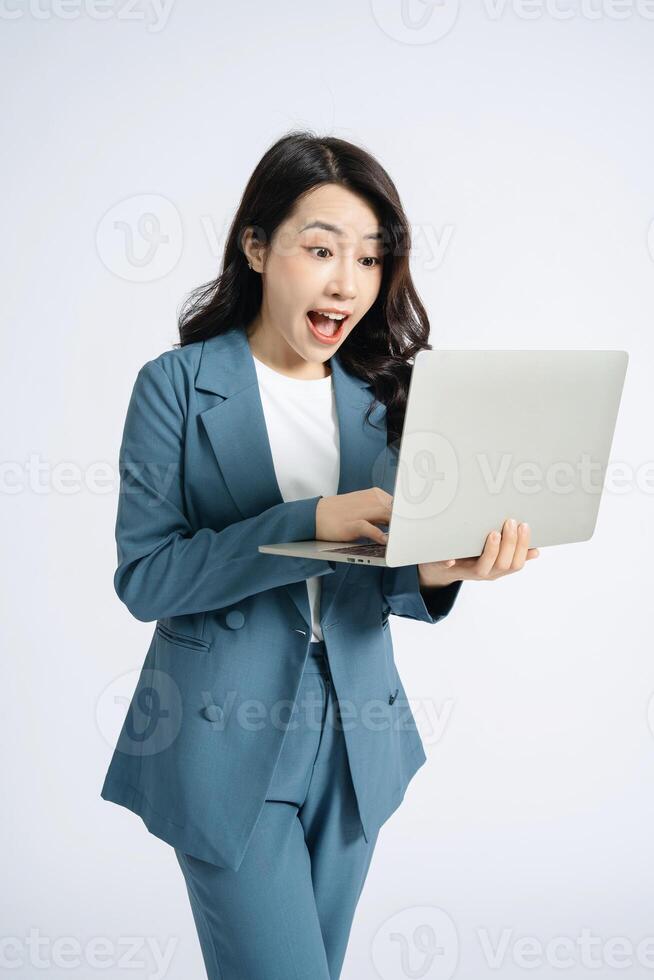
[182, 639]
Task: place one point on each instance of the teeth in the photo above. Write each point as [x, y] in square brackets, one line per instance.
[332, 316]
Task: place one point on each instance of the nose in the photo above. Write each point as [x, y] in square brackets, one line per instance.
[343, 286]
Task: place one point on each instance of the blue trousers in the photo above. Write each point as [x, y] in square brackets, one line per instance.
[286, 914]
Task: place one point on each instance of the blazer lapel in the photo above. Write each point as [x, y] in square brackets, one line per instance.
[236, 429]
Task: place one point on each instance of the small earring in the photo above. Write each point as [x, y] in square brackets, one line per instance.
[250, 265]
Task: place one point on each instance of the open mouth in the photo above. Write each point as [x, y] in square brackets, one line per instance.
[324, 328]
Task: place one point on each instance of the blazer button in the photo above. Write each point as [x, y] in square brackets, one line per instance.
[234, 619]
[213, 712]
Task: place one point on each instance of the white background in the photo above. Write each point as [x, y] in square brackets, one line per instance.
[521, 140]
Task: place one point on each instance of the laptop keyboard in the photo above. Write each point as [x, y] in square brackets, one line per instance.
[372, 550]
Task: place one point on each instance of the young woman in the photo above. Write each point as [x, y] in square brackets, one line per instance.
[269, 736]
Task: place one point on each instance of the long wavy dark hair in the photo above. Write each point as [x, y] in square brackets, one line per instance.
[381, 347]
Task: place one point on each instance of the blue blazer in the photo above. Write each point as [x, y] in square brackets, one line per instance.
[198, 495]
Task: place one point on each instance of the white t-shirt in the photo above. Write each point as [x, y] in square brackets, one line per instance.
[302, 426]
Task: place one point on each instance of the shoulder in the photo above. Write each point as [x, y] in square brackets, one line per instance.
[206, 365]
[164, 384]
[172, 373]
[177, 364]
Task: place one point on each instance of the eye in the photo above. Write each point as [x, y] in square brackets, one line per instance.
[323, 248]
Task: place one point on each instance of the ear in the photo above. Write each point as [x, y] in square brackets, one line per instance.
[253, 249]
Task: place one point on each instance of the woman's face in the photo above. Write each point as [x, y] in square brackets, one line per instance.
[327, 256]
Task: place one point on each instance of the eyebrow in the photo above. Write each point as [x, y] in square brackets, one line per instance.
[337, 231]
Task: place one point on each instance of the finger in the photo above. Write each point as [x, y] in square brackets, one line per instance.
[532, 553]
[521, 548]
[371, 531]
[507, 546]
[379, 505]
[487, 558]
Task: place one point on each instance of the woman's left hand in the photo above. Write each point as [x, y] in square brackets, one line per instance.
[503, 554]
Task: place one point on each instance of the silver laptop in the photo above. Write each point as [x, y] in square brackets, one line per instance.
[489, 435]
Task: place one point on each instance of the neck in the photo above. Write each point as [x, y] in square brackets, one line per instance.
[269, 347]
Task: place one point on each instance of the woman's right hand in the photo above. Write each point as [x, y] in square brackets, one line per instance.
[349, 516]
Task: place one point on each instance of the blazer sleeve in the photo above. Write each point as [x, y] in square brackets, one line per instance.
[404, 596]
[164, 567]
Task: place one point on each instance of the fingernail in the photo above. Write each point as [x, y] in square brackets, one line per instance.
[512, 524]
